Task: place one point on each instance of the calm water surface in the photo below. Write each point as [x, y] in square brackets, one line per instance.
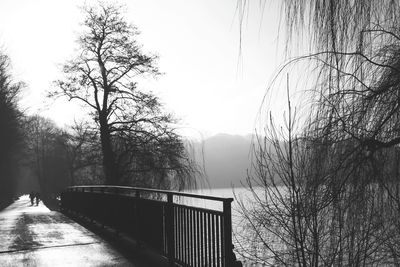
[240, 194]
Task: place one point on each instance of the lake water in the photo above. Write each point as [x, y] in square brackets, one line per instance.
[240, 194]
[217, 192]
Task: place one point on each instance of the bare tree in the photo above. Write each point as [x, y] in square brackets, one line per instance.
[358, 59]
[353, 132]
[317, 200]
[104, 77]
[285, 221]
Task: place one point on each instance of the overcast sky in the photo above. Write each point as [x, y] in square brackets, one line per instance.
[206, 82]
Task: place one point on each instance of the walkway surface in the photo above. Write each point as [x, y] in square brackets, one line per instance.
[36, 236]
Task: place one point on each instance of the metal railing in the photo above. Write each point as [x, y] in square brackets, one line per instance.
[186, 235]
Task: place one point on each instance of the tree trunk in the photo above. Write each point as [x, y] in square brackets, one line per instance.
[109, 164]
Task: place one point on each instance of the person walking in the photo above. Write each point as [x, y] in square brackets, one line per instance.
[37, 197]
[32, 196]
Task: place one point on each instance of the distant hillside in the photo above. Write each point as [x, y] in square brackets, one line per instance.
[226, 159]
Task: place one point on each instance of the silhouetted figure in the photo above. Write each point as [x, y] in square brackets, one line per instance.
[37, 196]
[32, 197]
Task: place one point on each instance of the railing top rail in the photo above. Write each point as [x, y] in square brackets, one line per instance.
[176, 193]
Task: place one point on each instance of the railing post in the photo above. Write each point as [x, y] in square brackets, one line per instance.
[170, 230]
[228, 232]
[136, 215]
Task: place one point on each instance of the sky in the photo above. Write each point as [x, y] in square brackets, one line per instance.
[213, 82]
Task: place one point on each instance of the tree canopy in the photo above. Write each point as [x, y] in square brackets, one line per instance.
[11, 136]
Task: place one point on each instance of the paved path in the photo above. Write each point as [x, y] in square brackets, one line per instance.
[36, 236]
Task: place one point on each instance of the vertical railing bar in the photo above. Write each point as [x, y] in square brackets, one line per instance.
[172, 233]
[206, 244]
[192, 227]
[223, 242]
[136, 214]
[213, 238]
[228, 231]
[179, 241]
[205, 238]
[192, 259]
[175, 232]
[165, 230]
[209, 239]
[198, 238]
[185, 237]
[165, 226]
[178, 225]
[195, 248]
[218, 238]
[187, 248]
[182, 235]
[170, 229]
[188, 237]
[189, 245]
[205, 241]
[201, 239]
